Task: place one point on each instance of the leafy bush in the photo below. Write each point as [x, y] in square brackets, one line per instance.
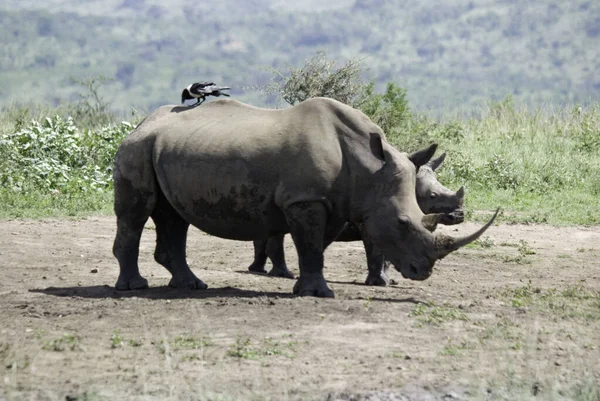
[319, 77]
[55, 156]
[389, 110]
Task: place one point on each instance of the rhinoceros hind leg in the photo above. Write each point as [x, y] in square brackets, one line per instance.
[277, 256]
[260, 257]
[307, 222]
[126, 250]
[133, 205]
[171, 238]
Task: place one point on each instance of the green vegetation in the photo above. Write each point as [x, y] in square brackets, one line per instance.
[189, 342]
[452, 349]
[485, 243]
[575, 302]
[116, 340]
[430, 313]
[67, 342]
[243, 349]
[539, 165]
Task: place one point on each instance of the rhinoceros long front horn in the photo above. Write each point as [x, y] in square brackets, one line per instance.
[445, 244]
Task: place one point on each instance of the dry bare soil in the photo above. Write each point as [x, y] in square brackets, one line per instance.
[516, 316]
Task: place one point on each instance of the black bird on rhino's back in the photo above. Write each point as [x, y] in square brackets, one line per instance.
[200, 90]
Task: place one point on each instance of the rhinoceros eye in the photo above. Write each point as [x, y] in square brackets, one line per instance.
[433, 195]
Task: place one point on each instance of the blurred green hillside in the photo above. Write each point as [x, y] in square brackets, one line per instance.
[447, 54]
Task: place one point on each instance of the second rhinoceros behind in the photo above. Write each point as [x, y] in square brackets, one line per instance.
[245, 173]
[432, 197]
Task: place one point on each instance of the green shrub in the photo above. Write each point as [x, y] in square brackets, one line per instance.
[55, 156]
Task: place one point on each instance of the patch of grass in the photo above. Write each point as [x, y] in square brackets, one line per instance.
[37, 204]
[67, 342]
[485, 243]
[430, 313]
[572, 302]
[136, 343]
[189, 342]
[503, 329]
[450, 350]
[116, 340]
[243, 349]
[524, 250]
[368, 301]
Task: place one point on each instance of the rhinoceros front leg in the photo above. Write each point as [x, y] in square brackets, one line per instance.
[307, 222]
[378, 268]
[171, 239]
[260, 257]
[277, 255]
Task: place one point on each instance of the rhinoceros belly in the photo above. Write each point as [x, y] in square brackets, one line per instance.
[223, 200]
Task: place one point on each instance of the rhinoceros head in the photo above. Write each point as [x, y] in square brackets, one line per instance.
[395, 223]
[433, 197]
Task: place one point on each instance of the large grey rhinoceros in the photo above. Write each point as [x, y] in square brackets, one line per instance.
[245, 173]
[432, 197]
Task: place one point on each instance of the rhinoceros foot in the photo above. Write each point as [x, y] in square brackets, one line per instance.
[313, 285]
[378, 279]
[279, 271]
[258, 268]
[131, 283]
[193, 283]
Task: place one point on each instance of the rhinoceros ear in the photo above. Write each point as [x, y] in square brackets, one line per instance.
[436, 163]
[421, 157]
[376, 145]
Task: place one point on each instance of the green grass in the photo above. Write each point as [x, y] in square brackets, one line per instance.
[539, 165]
[67, 342]
[190, 342]
[38, 204]
[436, 314]
[243, 348]
[575, 301]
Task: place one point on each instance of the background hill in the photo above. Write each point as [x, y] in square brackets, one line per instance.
[446, 53]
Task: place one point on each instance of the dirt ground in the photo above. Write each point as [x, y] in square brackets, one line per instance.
[495, 321]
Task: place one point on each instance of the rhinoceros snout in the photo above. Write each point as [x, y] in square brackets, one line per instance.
[455, 217]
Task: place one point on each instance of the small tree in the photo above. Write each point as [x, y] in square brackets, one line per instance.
[91, 110]
[320, 77]
[389, 110]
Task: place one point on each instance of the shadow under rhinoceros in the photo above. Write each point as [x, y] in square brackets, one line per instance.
[165, 292]
[161, 292]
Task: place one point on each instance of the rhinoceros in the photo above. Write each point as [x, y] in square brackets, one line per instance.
[244, 173]
[432, 197]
